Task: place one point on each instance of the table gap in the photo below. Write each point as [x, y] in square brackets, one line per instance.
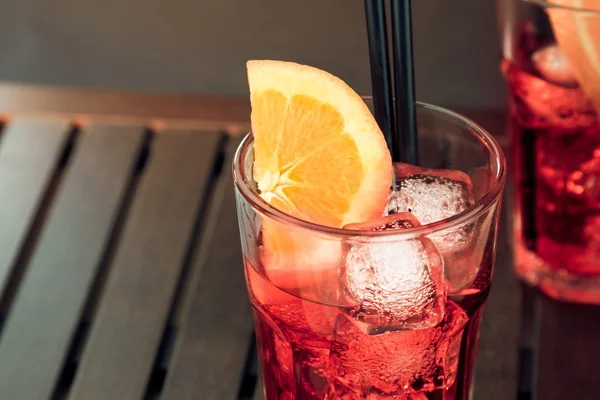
[41, 216]
[161, 364]
[3, 124]
[528, 335]
[251, 374]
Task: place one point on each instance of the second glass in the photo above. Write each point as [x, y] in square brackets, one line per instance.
[552, 66]
[328, 329]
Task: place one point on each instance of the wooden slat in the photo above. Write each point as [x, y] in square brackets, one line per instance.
[497, 357]
[51, 299]
[29, 154]
[181, 111]
[216, 332]
[134, 308]
[568, 351]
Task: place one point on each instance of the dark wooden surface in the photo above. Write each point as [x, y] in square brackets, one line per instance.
[55, 285]
[120, 264]
[208, 334]
[147, 266]
[118, 245]
[568, 351]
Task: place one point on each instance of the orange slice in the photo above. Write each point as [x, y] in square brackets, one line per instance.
[577, 31]
[319, 156]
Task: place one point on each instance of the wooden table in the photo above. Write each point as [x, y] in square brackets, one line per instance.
[120, 263]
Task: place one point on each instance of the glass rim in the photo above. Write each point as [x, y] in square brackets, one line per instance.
[241, 181]
[552, 5]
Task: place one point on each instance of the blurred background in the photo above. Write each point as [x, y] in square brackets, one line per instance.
[200, 46]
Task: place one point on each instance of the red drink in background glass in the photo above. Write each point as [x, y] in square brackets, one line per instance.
[556, 165]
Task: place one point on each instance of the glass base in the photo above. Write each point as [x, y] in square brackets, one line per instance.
[558, 284]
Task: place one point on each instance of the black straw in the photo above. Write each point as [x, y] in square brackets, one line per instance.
[380, 74]
[398, 122]
[404, 81]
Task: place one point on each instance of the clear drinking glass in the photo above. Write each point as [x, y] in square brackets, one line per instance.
[412, 336]
[552, 67]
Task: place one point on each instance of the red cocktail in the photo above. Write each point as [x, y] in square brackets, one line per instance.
[556, 150]
[379, 297]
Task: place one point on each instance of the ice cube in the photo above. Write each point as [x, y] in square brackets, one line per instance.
[395, 284]
[462, 265]
[580, 254]
[584, 182]
[432, 195]
[396, 363]
[551, 63]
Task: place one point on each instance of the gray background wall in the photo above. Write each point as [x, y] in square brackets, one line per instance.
[200, 46]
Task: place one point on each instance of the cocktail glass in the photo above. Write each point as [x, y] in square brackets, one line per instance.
[370, 313]
[552, 66]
